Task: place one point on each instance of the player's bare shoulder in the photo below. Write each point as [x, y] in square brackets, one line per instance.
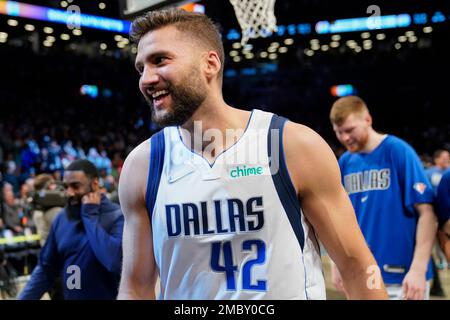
[302, 136]
[308, 155]
[133, 178]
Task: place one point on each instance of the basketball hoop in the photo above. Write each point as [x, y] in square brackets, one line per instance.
[256, 18]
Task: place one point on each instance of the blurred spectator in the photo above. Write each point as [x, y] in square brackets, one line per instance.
[94, 157]
[24, 194]
[57, 175]
[43, 217]
[427, 161]
[105, 163]
[10, 209]
[55, 163]
[24, 205]
[70, 150]
[2, 223]
[1, 149]
[441, 159]
[8, 286]
[29, 156]
[10, 172]
[66, 159]
[117, 164]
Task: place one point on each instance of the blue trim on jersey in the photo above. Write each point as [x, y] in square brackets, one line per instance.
[283, 184]
[304, 271]
[223, 151]
[157, 150]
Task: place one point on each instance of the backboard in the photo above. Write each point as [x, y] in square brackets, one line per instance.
[133, 8]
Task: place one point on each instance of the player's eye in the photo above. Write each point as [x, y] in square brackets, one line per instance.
[159, 60]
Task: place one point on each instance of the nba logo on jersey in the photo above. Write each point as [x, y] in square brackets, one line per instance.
[420, 187]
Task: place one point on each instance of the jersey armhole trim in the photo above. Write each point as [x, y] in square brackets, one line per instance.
[155, 166]
[281, 178]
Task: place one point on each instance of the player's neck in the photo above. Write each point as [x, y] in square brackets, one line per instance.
[215, 119]
[373, 141]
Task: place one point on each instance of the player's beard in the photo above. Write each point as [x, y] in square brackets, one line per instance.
[73, 208]
[361, 143]
[186, 99]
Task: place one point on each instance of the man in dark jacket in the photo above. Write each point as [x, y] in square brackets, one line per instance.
[84, 245]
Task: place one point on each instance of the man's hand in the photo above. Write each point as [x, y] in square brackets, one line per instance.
[414, 285]
[415, 281]
[91, 198]
[444, 242]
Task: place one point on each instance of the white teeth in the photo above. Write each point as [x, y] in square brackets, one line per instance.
[159, 93]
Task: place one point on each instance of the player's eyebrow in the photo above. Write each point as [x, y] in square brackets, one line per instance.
[72, 184]
[149, 57]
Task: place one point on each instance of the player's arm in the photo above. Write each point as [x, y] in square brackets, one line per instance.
[425, 236]
[414, 283]
[106, 245]
[139, 272]
[316, 177]
[47, 269]
[444, 240]
[417, 198]
[446, 228]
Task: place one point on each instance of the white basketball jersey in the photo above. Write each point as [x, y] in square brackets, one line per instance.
[233, 229]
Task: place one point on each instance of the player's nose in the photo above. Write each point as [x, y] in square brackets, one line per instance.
[149, 77]
[344, 137]
[69, 192]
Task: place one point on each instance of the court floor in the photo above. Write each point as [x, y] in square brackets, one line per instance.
[332, 294]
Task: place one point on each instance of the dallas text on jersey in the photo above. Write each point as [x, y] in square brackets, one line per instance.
[192, 218]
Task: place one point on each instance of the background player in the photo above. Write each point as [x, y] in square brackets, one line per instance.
[441, 159]
[392, 198]
[443, 210]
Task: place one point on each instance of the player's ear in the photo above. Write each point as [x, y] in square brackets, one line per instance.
[213, 64]
[95, 184]
[368, 119]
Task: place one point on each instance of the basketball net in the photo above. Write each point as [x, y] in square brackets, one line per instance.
[256, 18]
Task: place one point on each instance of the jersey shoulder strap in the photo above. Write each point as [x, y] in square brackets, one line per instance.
[155, 167]
[281, 177]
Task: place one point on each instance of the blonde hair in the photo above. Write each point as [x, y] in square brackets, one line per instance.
[345, 106]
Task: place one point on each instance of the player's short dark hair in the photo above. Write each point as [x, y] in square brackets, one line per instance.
[438, 153]
[195, 25]
[84, 165]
